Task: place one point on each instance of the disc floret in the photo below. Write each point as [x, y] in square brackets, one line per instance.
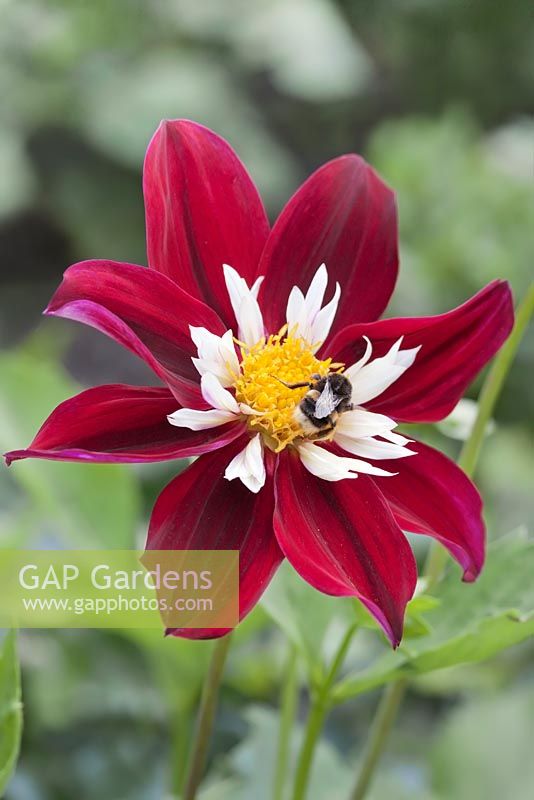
[264, 366]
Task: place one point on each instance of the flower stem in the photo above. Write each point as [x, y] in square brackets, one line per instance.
[319, 708]
[337, 663]
[393, 694]
[287, 718]
[381, 726]
[206, 716]
[494, 383]
[468, 459]
[179, 743]
[314, 726]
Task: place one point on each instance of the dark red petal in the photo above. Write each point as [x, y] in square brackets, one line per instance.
[455, 346]
[344, 216]
[201, 510]
[120, 424]
[432, 495]
[341, 537]
[202, 210]
[142, 310]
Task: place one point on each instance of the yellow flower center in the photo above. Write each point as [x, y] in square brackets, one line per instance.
[280, 358]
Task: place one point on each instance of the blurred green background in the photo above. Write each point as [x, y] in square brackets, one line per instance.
[439, 97]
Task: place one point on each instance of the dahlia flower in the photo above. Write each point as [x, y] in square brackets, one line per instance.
[245, 326]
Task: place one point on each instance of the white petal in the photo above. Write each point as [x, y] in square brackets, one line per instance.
[372, 448]
[396, 438]
[324, 319]
[215, 354]
[331, 467]
[352, 371]
[374, 378]
[304, 314]
[250, 321]
[203, 366]
[245, 409]
[214, 394]
[358, 423]
[255, 288]
[199, 420]
[370, 469]
[296, 312]
[200, 336]
[245, 305]
[405, 358]
[323, 464]
[227, 352]
[248, 466]
[316, 290]
[236, 286]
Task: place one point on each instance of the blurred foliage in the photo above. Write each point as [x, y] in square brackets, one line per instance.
[484, 749]
[90, 506]
[10, 708]
[306, 617]
[438, 95]
[465, 219]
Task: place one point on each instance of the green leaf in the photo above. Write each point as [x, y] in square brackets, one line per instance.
[484, 751]
[10, 709]
[422, 602]
[82, 504]
[471, 623]
[414, 623]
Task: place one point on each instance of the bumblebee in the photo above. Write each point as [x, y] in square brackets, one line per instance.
[319, 409]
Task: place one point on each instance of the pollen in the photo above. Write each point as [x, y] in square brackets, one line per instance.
[281, 358]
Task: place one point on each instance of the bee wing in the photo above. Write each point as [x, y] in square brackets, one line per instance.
[326, 402]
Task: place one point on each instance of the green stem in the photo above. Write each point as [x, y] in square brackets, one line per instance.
[314, 727]
[179, 742]
[393, 694]
[382, 724]
[287, 719]
[494, 382]
[206, 716]
[337, 663]
[319, 708]
[491, 389]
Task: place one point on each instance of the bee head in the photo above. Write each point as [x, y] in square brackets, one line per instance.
[340, 385]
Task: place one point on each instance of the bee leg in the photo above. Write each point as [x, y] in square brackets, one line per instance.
[292, 385]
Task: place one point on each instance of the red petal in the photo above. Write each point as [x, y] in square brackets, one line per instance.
[202, 210]
[200, 510]
[432, 495]
[121, 423]
[142, 310]
[455, 346]
[342, 538]
[344, 216]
